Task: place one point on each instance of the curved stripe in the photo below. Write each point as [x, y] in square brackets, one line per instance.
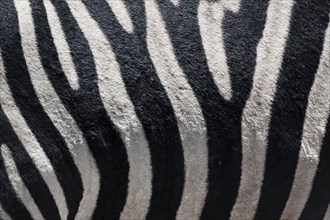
[223, 118]
[210, 17]
[31, 144]
[151, 103]
[300, 62]
[257, 111]
[18, 184]
[62, 46]
[9, 201]
[317, 113]
[122, 113]
[86, 107]
[26, 18]
[66, 125]
[188, 113]
[119, 9]
[22, 49]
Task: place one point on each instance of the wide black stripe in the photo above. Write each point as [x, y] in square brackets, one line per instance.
[223, 118]
[86, 107]
[319, 198]
[151, 103]
[41, 125]
[8, 198]
[30, 176]
[300, 61]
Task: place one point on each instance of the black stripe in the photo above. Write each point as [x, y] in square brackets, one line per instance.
[300, 61]
[223, 118]
[30, 176]
[22, 89]
[319, 198]
[151, 103]
[86, 107]
[8, 198]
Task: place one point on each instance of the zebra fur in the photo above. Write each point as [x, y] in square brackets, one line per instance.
[164, 109]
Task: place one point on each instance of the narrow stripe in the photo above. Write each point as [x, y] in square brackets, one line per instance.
[86, 107]
[48, 136]
[38, 162]
[3, 214]
[188, 113]
[64, 122]
[257, 111]
[210, 18]
[122, 113]
[309, 22]
[222, 117]
[151, 103]
[319, 197]
[62, 46]
[31, 144]
[18, 184]
[10, 204]
[119, 9]
[317, 113]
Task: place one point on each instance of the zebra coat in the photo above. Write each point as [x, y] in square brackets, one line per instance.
[164, 109]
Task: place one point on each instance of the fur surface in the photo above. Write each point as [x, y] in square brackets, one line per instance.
[164, 109]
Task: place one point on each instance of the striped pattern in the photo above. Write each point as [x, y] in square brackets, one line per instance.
[164, 109]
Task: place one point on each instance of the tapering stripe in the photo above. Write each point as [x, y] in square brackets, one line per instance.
[28, 155]
[12, 206]
[257, 111]
[122, 15]
[57, 112]
[17, 183]
[62, 46]
[122, 113]
[222, 117]
[210, 17]
[28, 164]
[307, 27]
[86, 107]
[187, 110]
[164, 109]
[41, 125]
[316, 116]
[151, 103]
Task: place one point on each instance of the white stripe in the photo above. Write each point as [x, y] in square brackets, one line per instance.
[257, 112]
[187, 110]
[3, 214]
[62, 46]
[122, 113]
[210, 16]
[317, 113]
[119, 9]
[18, 185]
[30, 142]
[17, 121]
[61, 118]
